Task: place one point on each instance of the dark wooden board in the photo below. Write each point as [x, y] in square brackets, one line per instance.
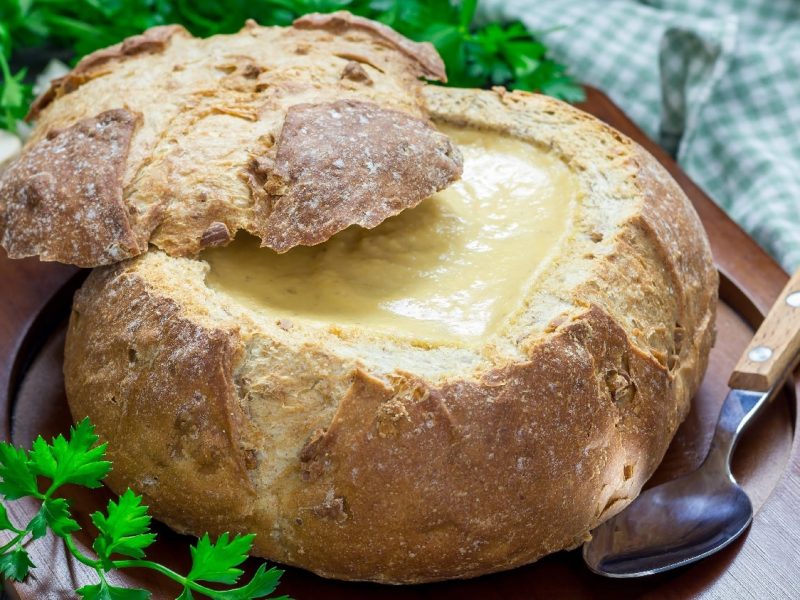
[36, 298]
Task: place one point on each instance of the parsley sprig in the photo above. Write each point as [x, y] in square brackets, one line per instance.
[476, 56]
[123, 531]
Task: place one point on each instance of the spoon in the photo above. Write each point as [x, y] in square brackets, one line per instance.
[689, 518]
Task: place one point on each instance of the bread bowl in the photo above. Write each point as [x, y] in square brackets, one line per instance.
[405, 446]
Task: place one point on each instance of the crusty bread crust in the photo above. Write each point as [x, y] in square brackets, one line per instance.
[364, 455]
[221, 134]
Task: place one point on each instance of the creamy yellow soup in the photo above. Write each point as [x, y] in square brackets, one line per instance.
[450, 269]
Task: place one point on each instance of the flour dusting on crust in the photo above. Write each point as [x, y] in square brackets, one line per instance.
[62, 199]
[350, 162]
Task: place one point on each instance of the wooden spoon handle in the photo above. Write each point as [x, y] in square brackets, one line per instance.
[774, 346]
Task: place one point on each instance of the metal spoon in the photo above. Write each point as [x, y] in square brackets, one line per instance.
[684, 520]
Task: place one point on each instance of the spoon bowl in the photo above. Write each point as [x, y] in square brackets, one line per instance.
[686, 519]
[671, 525]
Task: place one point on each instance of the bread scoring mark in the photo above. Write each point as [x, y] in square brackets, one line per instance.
[620, 387]
[347, 162]
[63, 197]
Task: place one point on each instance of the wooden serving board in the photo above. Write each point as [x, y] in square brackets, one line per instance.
[762, 564]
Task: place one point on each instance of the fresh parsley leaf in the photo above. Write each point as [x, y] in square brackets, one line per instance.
[261, 585]
[16, 478]
[5, 522]
[564, 88]
[56, 513]
[41, 458]
[76, 460]
[15, 92]
[15, 565]
[449, 42]
[38, 525]
[218, 561]
[123, 530]
[104, 591]
[467, 12]
[15, 95]
[126, 529]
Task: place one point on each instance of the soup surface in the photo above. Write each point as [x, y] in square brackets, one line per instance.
[450, 269]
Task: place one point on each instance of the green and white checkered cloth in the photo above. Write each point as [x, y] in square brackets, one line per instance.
[716, 83]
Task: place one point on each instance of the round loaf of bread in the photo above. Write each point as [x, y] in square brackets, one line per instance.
[475, 383]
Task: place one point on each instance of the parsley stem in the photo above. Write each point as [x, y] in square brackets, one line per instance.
[167, 572]
[73, 549]
[16, 530]
[14, 540]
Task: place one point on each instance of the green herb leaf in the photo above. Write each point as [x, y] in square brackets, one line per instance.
[56, 513]
[17, 479]
[104, 591]
[13, 91]
[15, 96]
[261, 585]
[467, 12]
[217, 562]
[125, 530]
[15, 565]
[5, 522]
[564, 88]
[38, 525]
[74, 461]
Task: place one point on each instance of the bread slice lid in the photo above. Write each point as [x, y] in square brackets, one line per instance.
[291, 134]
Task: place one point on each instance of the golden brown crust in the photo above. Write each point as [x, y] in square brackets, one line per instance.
[154, 39]
[425, 55]
[71, 181]
[189, 367]
[366, 470]
[211, 111]
[490, 444]
[348, 163]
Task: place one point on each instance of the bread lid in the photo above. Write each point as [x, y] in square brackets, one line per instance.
[292, 134]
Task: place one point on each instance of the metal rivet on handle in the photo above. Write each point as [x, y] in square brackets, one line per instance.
[759, 354]
[793, 299]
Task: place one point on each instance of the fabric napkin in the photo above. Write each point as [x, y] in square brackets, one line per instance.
[715, 82]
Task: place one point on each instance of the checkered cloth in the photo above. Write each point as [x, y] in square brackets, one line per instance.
[715, 82]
